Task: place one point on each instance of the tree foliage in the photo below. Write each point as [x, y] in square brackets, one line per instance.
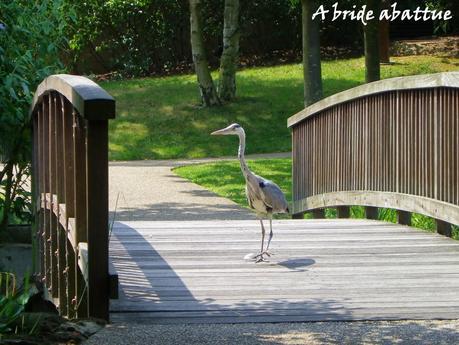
[31, 36]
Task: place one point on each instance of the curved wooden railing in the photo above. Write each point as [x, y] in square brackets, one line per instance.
[70, 186]
[393, 143]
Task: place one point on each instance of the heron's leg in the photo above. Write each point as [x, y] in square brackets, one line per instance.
[262, 236]
[270, 235]
[260, 255]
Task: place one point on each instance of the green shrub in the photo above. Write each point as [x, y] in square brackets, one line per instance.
[31, 39]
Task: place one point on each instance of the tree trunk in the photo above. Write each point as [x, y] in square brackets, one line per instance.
[229, 58]
[384, 41]
[311, 54]
[371, 38]
[206, 85]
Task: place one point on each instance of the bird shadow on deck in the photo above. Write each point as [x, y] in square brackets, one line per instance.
[168, 289]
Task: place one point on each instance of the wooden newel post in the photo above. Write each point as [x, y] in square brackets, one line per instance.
[97, 211]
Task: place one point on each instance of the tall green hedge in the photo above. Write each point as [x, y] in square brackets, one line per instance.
[141, 37]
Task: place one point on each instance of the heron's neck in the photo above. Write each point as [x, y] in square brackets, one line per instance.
[241, 155]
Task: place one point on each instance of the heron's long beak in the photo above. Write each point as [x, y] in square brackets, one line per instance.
[220, 132]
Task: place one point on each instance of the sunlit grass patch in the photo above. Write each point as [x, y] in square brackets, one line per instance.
[160, 118]
[225, 179]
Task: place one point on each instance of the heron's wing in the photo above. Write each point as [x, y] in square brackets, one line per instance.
[273, 196]
[259, 188]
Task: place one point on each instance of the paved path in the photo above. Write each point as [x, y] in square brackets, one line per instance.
[314, 333]
[149, 190]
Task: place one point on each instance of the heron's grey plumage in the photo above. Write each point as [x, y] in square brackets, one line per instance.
[264, 196]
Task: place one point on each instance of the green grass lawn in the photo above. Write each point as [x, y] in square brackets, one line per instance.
[225, 179]
[159, 118]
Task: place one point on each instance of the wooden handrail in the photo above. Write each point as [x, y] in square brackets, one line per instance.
[422, 81]
[393, 143]
[70, 186]
[89, 99]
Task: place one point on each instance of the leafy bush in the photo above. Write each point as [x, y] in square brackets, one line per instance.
[31, 38]
[12, 300]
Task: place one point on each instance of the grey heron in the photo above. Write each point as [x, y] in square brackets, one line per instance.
[264, 196]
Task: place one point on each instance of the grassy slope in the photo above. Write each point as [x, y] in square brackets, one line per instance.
[225, 179]
[159, 118]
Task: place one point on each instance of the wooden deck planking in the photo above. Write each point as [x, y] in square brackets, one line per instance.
[322, 270]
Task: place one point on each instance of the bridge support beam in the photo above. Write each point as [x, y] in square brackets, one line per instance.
[371, 212]
[444, 228]
[298, 215]
[404, 217]
[343, 211]
[318, 213]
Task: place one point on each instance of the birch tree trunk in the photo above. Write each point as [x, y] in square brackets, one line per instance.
[206, 84]
[229, 58]
[371, 38]
[311, 54]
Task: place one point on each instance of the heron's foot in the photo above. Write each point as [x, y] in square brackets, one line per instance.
[267, 252]
[260, 257]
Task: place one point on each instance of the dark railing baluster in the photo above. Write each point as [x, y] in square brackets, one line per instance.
[79, 179]
[67, 144]
[60, 203]
[52, 193]
[44, 193]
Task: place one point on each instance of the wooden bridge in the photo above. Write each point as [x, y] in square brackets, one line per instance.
[389, 144]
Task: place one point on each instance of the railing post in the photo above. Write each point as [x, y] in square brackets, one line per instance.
[97, 212]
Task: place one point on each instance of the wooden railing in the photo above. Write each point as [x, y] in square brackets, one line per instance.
[70, 187]
[392, 144]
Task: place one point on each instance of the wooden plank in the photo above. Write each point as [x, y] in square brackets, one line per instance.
[153, 318]
[322, 310]
[288, 306]
[296, 294]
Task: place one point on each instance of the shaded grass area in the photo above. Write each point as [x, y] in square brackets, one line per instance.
[225, 179]
[160, 118]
